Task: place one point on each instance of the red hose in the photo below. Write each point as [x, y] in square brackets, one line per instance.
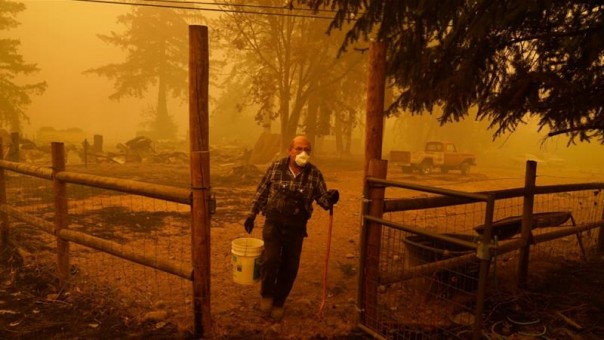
[326, 264]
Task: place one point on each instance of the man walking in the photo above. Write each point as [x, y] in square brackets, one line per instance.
[285, 196]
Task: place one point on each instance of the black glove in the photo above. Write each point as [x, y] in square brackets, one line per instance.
[249, 224]
[333, 196]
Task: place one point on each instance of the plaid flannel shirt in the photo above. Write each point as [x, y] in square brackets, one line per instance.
[278, 175]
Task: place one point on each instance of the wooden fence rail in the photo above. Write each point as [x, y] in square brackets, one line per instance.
[485, 250]
[26, 169]
[163, 192]
[63, 234]
[125, 252]
[402, 204]
[198, 196]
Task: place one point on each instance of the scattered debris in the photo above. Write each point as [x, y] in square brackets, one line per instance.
[158, 315]
[139, 149]
[569, 321]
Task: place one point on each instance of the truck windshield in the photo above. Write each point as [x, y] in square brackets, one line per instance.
[434, 147]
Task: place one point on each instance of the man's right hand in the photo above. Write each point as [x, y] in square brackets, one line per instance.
[249, 224]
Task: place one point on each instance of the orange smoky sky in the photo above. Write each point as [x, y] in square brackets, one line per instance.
[60, 36]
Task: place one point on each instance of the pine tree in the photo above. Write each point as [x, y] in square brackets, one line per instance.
[14, 98]
[156, 43]
[511, 59]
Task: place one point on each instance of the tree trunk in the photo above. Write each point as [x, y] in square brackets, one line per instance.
[347, 133]
[163, 127]
[294, 117]
[284, 115]
[338, 133]
[312, 116]
[266, 120]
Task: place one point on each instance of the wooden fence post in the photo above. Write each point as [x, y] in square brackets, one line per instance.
[600, 244]
[601, 237]
[371, 239]
[374, 132]
[61, 217]
[13, 149]
[200, 177]
[371, 233]
[484, 255]
[527, 222]
[3, 215]
[85, 146]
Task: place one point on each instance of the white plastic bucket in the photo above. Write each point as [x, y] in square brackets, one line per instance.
[246, 260]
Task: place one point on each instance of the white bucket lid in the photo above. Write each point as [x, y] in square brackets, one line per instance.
[247, 245]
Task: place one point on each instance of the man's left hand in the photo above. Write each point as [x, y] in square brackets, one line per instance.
[333, 196]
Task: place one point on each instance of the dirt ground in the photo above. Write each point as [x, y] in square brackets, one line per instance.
[31, 307]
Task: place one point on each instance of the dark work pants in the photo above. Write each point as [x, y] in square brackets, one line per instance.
[280, 259]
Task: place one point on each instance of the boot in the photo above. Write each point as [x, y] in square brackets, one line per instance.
[266, 304]
[277, 313]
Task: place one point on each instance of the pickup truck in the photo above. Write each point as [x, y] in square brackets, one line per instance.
[436, 155]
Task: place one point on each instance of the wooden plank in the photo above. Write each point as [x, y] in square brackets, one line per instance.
[163, 192]
[403, 204]
[26, 169]
[113, 248]
[132, 254]
[37, 222]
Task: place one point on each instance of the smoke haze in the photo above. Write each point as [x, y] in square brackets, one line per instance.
[61, 38]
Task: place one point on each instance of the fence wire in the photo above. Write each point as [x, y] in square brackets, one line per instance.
[153, 227]
[440, 303]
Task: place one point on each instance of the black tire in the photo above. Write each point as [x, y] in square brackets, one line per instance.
[425, 168]
[465, 168]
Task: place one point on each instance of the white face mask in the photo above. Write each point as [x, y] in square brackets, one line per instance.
[302, 158]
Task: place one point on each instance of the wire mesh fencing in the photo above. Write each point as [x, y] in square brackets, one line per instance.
[141, 232]
[155, 228]
[430, 247]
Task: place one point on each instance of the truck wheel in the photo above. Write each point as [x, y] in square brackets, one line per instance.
[465, 168]
[425, 168]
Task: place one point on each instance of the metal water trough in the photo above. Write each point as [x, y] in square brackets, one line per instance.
[424, 249]
[508, 227]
